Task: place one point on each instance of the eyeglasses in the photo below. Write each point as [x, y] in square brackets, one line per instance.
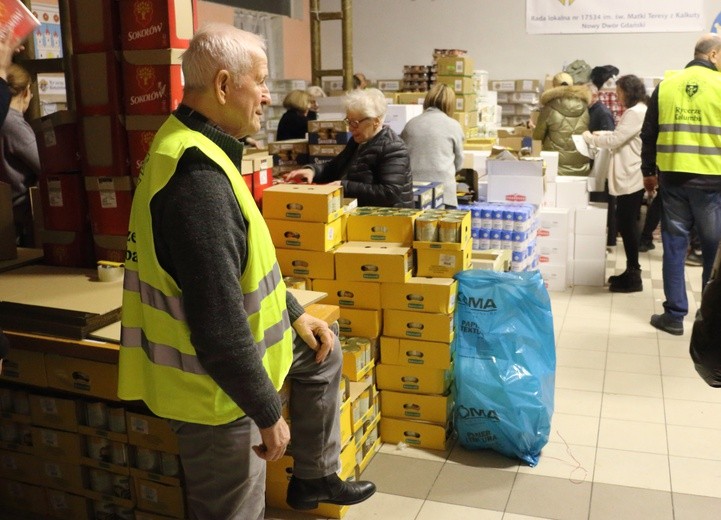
[355, 123]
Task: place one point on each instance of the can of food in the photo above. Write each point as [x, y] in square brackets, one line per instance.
[147, 459]
[449, 229]
[116, 419]
[427, 229]
[121, 486]
[101, 481]
[294, 282]
[96, 415]
[98, 448]
[169, 464]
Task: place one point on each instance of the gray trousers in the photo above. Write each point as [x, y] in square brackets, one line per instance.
[224, 478]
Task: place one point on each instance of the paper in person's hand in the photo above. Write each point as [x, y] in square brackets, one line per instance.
[16, 20]
[581, 145]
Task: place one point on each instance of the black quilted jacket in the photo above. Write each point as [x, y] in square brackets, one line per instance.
[377, 173]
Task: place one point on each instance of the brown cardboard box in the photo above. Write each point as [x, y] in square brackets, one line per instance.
[411, 352]
[360, 322]
[304, 202]
[159, 498]
[67, 505]
[25, 497]
[443, 262]
[104, 146]
[20, 466]
[151, 432]
[421, 294]
[8, 249]
[25, 366]
[418, 325]
[67, 476]
[414, 433]
[356, 295]
[459, 84]
[54, 412]
[56, 444]
[417, 407]
[82, 376]
[454, 66]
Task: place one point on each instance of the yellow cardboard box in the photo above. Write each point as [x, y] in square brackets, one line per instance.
[381, 228]
[463, 231]
[418, 325]
[25, 497]
[421, 294]
[459, 84]
[454, 66]
[414, 433]
[443, 262]
[151, 432]
[411, 352]
[67, 505]
[418, 407]
[465, 102]
[409, 98]
[305, 202]
[356, 295]
[82, 376]
[159, 498]
[360, 322]
[21, 466]
[467, 120]
[24, 366]
[53, 412]
[56, 444]
[370, 262]
[67, 476]
[311, 236]
[346, 424]
[416, 379]
[306, 264]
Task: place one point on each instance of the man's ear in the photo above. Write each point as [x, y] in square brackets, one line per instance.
[221, 84]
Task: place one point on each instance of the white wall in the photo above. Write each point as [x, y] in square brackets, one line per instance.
[388, 34]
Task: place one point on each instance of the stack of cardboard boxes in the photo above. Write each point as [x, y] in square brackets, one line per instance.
[326, 139]
[457, 73]
[517, 98]
[417, 78]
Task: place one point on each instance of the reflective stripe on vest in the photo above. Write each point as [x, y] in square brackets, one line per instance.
[689, 138]
[158, 363]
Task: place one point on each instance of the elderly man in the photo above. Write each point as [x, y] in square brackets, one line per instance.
[209, 332]
[682, 137]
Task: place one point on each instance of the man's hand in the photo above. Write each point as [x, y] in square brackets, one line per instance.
[650, 183]
[316, 334]
[275, 441]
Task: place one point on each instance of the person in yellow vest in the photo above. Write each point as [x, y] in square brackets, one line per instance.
[681, 137]
[209, 332]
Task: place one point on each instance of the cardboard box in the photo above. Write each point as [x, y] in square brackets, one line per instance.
[411, 352]
[422, 197]
[571, 191]
[157, 24]
[25, 497]
[141, 131]
[397, 116]
[151, 432]
[356, 295]
[387, 227]
[554, 276]
[329, 127]
[409, 98]
[443, 262]
[417, 407]
[515, 188]
[370, 262]
[262, 174]
[98, 85]
[459, 84]
[418, 325]
[160, 498]
[503, 85]
[289, 152]
[58, 142]
[553, 251]
[346, 433]
[104, 146]
[110, 247]
[466, 119]
[414, 379]
[56, 445]
[591, 220]
[304, 202]
[54, 412]
[466, 103]
[414, 433]
[68, 248]
[306, 264]
[64, 202]
[67, 505]
[325, 150]
[96, 25]
[360, 322]
[24, 366]
[463, 226]
[82, 376]
[527, 85]
[8, 247]
[555, 223]
[109, 199]
[152, 81]
[421, 294]
[454, 66]
[328, 137]
[590, 247]
[311, 236]
[20, 466]
[67, 476]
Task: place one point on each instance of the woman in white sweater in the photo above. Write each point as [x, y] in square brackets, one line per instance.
[435, 142]
[625, 179]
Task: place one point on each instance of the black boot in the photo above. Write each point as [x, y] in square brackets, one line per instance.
[645, 245]
[306, 493]
[628, 281]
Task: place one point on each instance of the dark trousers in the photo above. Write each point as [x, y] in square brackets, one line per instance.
[653, 218]
[627, 212]
[604, 196]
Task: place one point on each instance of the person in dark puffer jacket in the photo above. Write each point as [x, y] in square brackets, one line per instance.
[374, 167]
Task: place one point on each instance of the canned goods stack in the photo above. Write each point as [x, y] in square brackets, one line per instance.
[506, 226]
[443, 242]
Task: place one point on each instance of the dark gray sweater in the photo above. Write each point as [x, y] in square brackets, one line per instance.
[201, 241]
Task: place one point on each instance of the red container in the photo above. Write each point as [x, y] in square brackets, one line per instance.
[109, 199]
[58, 142]
[141, 132]
[98, 87]
[157, 24]
[65, 207]
[68, 248]
[152, 81]
[104, 146]
[110, 247]
[96, 25]
[262, 176]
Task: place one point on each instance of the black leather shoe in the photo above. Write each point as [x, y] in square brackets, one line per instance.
[666, 323]
[305, 494]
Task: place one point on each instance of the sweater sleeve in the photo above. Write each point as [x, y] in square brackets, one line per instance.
[628, 127]
[202, 235]
[649, 135]
[334, 169]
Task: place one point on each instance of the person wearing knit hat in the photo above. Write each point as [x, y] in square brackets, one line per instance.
[564, 114]
[600, 75]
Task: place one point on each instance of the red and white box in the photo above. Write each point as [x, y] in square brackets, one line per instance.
[98, 88]
[262, 175]
[68, 248]
[109, 199]
[157, 24]
[104, 146]
[96, 25]
[16, 19]
[141, 132]
[110, 247]
[153, 81]
[58, 142]
[65, 206]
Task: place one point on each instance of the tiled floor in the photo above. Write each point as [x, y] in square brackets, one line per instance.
[636, 433]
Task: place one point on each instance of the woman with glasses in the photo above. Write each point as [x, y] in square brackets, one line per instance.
[374, 167]
[435, 142]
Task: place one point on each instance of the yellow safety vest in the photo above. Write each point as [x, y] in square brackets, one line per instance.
[689, 117]
[158, 363]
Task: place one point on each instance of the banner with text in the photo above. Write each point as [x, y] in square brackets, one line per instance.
[613, 16]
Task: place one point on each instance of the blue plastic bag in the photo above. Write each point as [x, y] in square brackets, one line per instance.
[505, 363]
